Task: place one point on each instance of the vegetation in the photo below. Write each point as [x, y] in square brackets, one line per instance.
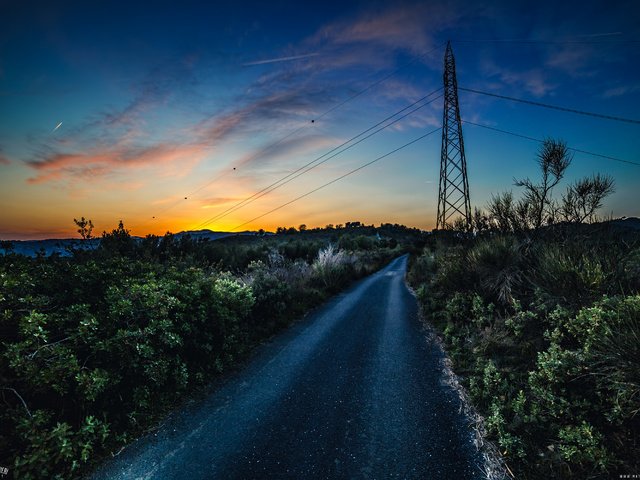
[542, 321]
[97, 347]
[537, 207]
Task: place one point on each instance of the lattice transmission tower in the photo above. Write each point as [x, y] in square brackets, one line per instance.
[453, 193]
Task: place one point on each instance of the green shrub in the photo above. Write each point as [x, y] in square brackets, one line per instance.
[497, 265]
[552, 364]
[97, 347]
[56, 450]
[574, 275]
[580, 445]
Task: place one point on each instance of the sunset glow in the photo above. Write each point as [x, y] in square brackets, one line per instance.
[167, 117]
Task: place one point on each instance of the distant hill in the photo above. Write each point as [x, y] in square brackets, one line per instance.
[61, 246]
[64, 246]
[627, 222]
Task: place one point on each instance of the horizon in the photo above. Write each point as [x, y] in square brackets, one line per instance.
[97, 236]
[170, 118]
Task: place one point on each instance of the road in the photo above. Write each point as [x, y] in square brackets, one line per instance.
[355, 390]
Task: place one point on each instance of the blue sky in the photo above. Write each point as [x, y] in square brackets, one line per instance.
[159, 102]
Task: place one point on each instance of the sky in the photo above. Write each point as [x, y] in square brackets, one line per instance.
[168, 115]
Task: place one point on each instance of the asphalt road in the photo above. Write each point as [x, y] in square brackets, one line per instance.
[353, 391]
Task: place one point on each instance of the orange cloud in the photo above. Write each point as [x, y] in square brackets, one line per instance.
[99, 163]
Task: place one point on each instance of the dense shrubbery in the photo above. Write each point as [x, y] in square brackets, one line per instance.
[96, 347]
[544, 329]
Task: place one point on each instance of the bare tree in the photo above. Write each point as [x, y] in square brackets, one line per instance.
[554, 159]
[537, 207]
[585, 196]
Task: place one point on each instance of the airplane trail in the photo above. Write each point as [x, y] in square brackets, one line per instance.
[279, 59]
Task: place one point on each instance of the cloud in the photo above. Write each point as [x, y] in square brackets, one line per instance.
[409, 27]
[100, 163]
[574, 59]
[282, 100]
[3, 159]
[621, 90]
[534, 81]
[295, 147]
[90, 156]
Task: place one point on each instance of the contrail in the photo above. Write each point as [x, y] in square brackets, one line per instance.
[280, 59]
[57, 127]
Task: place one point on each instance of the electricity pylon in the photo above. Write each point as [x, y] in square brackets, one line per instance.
[453, 193]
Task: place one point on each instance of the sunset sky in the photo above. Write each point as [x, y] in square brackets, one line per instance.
[119, 110]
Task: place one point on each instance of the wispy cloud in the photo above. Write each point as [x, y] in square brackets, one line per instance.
[621, 90]
[574, 59]
[409, 27]
[534, 81]
[4, 160]
[279, 155]
[292, 94]
[100, 163]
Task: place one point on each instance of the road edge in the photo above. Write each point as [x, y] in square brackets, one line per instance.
[493, 467]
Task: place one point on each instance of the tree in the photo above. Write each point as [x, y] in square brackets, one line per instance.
[118, 241]
[85, 228]
[585, 196]
[302, 228]
[537, 207]
[554, 159]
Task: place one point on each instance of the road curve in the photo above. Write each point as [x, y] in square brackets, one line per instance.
[354, 391]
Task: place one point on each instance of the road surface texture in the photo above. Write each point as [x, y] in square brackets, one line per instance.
[353, 391]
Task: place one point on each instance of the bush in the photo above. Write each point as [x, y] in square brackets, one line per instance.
[497, 264]
[573, 275]
[332, 267]
[97, 347]
[552, 364]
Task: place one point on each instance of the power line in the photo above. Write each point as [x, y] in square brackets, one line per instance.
[309, 166]
[306, 124]
[540, 141]
[338, 178]
[525, 41]
[329, 155]
[554, 107]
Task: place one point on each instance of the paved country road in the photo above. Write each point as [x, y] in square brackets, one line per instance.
[354, 391]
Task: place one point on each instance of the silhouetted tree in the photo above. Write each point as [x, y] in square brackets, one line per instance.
[85, 228]
[537, 207]
[585, 196]
[554, 159]
[118, 241]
